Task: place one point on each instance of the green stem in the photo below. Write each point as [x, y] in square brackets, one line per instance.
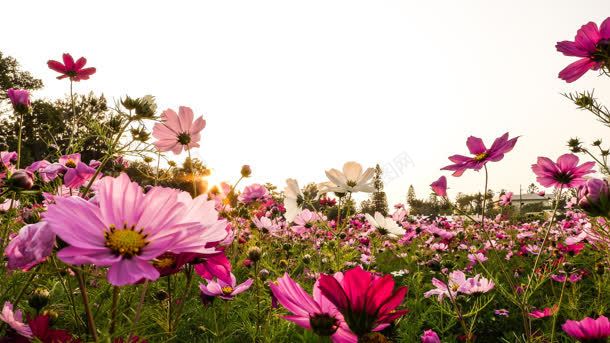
[83, 292]
[194, 181]
[25, 286]
[19, 139]
[187, 290]
[114, 309]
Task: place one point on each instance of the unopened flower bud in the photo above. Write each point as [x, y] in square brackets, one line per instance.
[246, 171]
[594, 198]
[22, 179]
[254, 254]
[263, 274]
[39, 299]
[20, 99]
[306, 258]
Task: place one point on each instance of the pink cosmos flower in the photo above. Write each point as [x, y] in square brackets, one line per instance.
[430, 336]
[546, 312]
[176, 132]
[15, 320]
[506, 199]
[252, 193]
[304, 221]
[20, 99]
[482, 155]
[126, 229]
[364, 299]
[224, 290]
[32, 245]
[78, 176]
[440, 186]
[565, 173]
[71, 69]
[594, 197]
[458, 283]
[592, 45]
[214, 266]
[588, 329]
[38, 167]
[317, 314]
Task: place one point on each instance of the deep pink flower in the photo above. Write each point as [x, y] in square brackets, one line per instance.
[42, 331]
[224, 290]
[565, 173]
[588, 329]
[32, 245]
[592, 45]
[430, 336]
[546, 312]
[482, 155]
[440, 186]
[214, 266]
[315, 313]
[20, 99]
[178, 131]
[14, 319]
[126, 229]
[364, 299]
[74, 70]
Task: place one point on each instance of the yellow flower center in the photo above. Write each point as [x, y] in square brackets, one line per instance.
[480, 156]
[227, 290]
[126, 242]
[70, 163]
[164, 262]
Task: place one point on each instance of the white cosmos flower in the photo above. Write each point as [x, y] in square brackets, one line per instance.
[292, 193]
[385, 226]
[351, 180]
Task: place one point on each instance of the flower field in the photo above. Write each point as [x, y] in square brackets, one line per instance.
[108, 236]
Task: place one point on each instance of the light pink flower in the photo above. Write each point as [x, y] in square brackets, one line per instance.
[15, 320]
[252, 193]
[176, 132]
[32, 245]
[546, 312]
[125, 229]
[223, 290]
[506, 199]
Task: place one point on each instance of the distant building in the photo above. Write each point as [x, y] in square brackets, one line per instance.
[520, 200]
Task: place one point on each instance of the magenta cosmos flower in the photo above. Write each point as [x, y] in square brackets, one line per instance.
[224, 290]
[588, 329]
[74, 70]
[20, 99]
[482, 155]
[439, 187]
[564, 173]
[315, 313]
[178, 131]
[545, 312]
[126, 229]
[592, 45]
[430, 336]
[364, 299]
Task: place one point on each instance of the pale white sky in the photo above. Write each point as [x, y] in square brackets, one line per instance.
[296, 87]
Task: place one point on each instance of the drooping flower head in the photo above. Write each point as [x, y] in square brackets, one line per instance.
[351, 180]
[126, 229]
[482, 154]
[76, 71]
[364, 299]
[315, 313]
[178, 131]
[565, 173]
[594, 197]
[224, 290]
[588, 330]
[32, 245]
[20, 99]
[439, 187]
[592, 45]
